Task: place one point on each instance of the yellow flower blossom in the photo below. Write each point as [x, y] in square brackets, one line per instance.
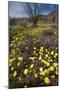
[46, 50]
[17, 49]
[16, 38]
[41, 49]
[51, 60]
[56, 48]
[52, 76]
[32, 58]
[11, 60]
[35, 48]
[46, 55]
[12, 68]
[55, 55]
[55, 64]
[46, 71]
[32, 65]
[35, 75]
[46, 80]
[20, 58]
[45, 62]
[42, 73]
[25, 71]
[18, 64]
[13, 51]
[40, 57]
[41, 69]
[14, 74]
[52, 52]
[34, 51]
[30, 71]
[51, 68]
[56, 72]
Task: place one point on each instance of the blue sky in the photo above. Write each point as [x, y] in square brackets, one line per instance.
[16, 9]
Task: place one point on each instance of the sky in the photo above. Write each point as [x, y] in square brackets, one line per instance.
[16, 9]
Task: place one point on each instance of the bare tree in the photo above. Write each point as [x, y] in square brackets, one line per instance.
[32, 11]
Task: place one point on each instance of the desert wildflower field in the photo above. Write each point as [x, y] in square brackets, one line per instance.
[33, 45]
[33, 59]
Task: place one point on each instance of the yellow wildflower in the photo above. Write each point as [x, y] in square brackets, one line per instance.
[51, 68]
[40, 57]
[13, 51]
[56, 72]
[32, 65]
[11, 60]
[14, 74]
[35, 75]
[47, 81]
[26, 71]
[55, 64]
[42, 73]
[18, 64]
[52, 52]
[35, 48]
[45, 62]
[32, 58]
[12, 68]
[41, 69]
[46, 55]
[46, 50]
[41, 49]
[46, 71]
[52, 76]
[34, 51]
[20, 58]
[55, 55]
